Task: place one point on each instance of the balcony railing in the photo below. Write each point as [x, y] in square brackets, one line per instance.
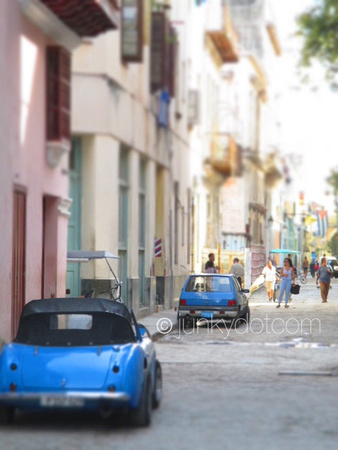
[225, 156]
[225, 39]
[86, 17]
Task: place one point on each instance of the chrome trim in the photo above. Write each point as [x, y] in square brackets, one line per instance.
[91, 396]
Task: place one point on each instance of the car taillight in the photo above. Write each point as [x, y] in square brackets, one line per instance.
[192, 312]
[222, 312]
[232, 303]
[183, 302]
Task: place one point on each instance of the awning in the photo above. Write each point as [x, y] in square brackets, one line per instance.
[86, 255]
[284, 250]
[86, 17]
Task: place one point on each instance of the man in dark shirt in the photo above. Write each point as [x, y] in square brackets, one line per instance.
[211, 257]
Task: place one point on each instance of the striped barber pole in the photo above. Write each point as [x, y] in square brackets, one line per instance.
[158, 248]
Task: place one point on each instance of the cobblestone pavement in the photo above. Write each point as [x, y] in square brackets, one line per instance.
[271, 386]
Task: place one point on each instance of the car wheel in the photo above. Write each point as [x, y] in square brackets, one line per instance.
[246, 318]
[235, 322]
[184, 323]
[157, 392]
[141, 417]
[181, 322]
[193, 322]
[7, 414]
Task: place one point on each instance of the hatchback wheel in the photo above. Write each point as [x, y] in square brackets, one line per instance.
[182, 322]
[246, 319]
[236, 322]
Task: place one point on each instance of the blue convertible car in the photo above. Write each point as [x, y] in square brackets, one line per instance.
[213, 296]
[80, 353]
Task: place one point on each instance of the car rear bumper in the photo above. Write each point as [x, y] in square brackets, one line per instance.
[64, 400]
[223, 312]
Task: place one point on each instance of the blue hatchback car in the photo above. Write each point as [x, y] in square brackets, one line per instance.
[213, 297]
[80, 354]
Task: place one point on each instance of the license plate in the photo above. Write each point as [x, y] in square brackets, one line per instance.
[207, 314]
[64, 402]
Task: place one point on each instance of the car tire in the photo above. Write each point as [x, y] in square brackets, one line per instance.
[192, 323]
[184, 323]
[141, 416]
[181, 322]
[7, 414]
[246, 318]
[235, 322]
[157, 392]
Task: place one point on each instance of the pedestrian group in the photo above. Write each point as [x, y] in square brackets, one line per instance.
[286, 277]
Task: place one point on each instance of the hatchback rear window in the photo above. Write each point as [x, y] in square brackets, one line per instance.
[208, 284]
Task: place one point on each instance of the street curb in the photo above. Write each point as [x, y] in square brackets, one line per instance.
[158, 335]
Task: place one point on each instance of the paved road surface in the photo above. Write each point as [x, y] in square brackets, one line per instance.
[271, 386]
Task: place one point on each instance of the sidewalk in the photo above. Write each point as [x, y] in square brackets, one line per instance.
[161, 323]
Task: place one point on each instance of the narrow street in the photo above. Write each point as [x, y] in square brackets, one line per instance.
[143, 141]
[273, 385]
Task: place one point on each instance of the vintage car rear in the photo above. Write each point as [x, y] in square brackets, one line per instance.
[72, 355]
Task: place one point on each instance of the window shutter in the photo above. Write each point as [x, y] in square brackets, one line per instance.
[58, 94]
[173, 51]
[132, 31]
[193, 108]
[158, 51]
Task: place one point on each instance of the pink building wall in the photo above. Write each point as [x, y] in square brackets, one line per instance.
[23, 164]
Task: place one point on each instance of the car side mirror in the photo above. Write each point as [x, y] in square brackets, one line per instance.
[142, 329]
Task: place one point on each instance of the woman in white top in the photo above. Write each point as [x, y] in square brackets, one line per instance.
[270, 276]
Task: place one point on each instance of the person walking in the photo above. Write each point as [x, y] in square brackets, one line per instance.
[237, 270]
[287, 275]
[312, 268]
[316, 266]
[324, 274]
[270, 276]
[305, 266]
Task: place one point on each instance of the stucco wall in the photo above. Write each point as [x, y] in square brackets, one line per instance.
[23, 159]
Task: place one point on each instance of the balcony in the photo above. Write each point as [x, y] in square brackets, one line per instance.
[225, 158]
[86, 18]
[273, 170]
[223, 41]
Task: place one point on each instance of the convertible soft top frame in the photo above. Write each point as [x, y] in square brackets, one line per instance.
[76, 305]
